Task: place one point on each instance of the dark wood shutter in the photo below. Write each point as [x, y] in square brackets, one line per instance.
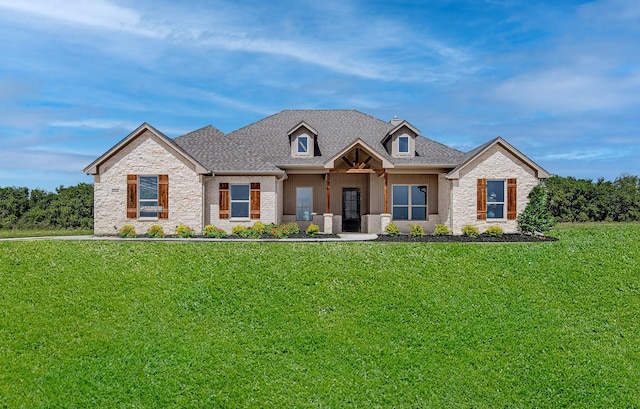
[254, 201]
[132, 196]
[223, 202]
[512, 199]
[482, 199]
[163, 196]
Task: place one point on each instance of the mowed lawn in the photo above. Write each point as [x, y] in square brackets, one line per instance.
[165, 324]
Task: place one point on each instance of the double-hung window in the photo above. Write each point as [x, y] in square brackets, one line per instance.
[409, 202]
[303, 144]
[148, 196]
[495, 199]
[239, 200]
[304, 203]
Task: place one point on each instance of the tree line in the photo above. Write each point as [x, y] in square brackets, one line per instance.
[583, 200]
[568, 200]
[66, 208]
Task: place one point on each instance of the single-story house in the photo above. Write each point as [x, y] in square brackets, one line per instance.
[342, 170]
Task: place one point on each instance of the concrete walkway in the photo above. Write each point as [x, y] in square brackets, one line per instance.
[341, 237]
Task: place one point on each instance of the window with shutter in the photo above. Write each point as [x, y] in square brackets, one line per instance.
[163, 196]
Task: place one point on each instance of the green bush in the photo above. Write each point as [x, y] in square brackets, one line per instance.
[416, 230]
[291, 228]
[392, 229]
[536, 217]
[250, 233]
[313, 229]
[127, 231]
[184, 231]
[155, 231]
[494, 231]
[470, 231]
[214, 232]
[238, 230]
[441, 230]
[259, 227]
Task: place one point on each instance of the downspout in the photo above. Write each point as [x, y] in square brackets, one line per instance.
[451, 204]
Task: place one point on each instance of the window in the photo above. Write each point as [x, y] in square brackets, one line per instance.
[148, 196]
[403, 144]
[303, 144]
[409, 202]
[304, 203]
[239, 201]
[495, 199]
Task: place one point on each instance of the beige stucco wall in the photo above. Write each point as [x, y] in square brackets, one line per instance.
[146, 155]
[269, 209]
[496, 163]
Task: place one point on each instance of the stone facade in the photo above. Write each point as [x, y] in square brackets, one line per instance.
[495, 163]
[146, 155]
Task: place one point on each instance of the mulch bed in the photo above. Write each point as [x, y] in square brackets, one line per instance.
[508, 238]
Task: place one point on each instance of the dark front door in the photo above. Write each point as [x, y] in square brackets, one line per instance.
[350, 210]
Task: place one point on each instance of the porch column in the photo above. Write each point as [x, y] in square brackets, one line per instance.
[328, 216]
[386, 193]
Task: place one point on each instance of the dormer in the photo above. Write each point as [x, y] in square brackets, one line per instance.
[400, 141]
[303, 139]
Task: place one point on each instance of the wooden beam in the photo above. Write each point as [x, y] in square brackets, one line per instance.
[347, 161]
[357, 170]
[328, 193]
[386, 193]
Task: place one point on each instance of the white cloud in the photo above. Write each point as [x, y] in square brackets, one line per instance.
[94, 124]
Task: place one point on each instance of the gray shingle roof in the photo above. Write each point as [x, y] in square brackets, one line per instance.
[265, 146]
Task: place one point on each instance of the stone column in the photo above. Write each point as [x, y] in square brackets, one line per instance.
[328, 223]
[385, 219]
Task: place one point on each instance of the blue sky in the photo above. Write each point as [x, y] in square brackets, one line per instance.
[560, 80]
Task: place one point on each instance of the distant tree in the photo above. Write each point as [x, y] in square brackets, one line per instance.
[14, 202]
[536, 217]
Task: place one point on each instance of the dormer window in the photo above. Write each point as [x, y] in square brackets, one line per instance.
[303, 144]
[403, 144]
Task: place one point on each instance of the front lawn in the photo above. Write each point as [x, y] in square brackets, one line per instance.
[6, 233]
[171, 324]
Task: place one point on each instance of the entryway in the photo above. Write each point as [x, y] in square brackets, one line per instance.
[350, 209]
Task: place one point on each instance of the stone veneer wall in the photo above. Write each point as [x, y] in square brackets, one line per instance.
[496, 163]
[268, 201]
[146, 155]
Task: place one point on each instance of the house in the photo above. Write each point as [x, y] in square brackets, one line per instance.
[340, 169]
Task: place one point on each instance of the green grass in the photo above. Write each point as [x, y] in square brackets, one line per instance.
[164, 324]
[6, 234]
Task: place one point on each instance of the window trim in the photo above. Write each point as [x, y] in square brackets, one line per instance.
[310, 207]
[410, 204]
[408, 151]
[298, 139]
[503, 202]
[232, 201]
[141, 201]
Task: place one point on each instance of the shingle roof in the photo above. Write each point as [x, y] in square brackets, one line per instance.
[265, 146]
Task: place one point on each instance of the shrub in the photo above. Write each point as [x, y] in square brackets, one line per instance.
[536, 217]
[214, 232]
[441, 230]
[250, 233]
[494, 231]
[259, 227]
[416, 230]
[392, 229]
[184, 231]
[155, 231]
[291, 228]
[313, 229]
[238, 230]
[127, 231]
[470, 231]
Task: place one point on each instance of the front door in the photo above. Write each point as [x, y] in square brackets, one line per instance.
[350, 209]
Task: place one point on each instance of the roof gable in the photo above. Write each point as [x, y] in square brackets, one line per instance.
[161, 138]
[475, 153]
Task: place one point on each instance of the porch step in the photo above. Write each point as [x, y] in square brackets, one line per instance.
[357, 236]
